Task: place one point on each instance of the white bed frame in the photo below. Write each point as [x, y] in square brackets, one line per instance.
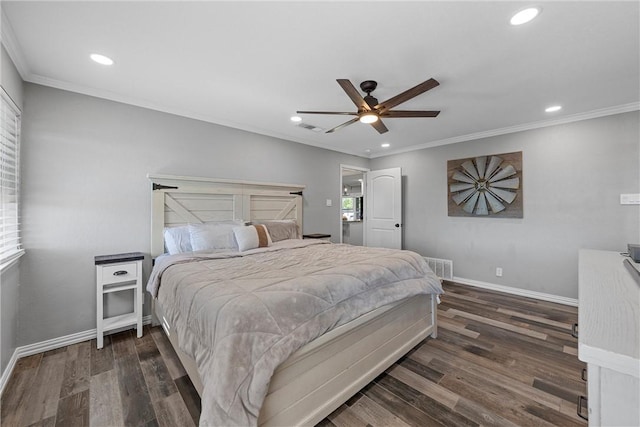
[325, 373]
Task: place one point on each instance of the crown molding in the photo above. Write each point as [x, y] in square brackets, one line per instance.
[111, 96]
[12, 46]
[602, 112]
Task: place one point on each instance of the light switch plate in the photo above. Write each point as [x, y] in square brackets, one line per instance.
[329, 203]
[630, 199]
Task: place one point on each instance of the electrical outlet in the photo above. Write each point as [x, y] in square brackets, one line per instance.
[499, 271]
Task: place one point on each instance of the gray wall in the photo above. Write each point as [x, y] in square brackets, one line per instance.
[573, 175]
[85, 191]
[10, 277]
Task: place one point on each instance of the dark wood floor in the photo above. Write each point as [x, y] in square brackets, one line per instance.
[498, 360]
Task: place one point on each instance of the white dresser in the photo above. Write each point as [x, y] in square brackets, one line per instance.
[609, 337]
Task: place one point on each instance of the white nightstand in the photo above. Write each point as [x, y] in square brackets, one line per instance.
[115, 273]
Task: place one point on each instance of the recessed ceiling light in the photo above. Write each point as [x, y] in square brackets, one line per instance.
[385, 145]
[101, 59]
[553, 109]
[296, 119]
[525, 15]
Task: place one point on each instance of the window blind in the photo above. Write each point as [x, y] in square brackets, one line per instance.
[10, 246]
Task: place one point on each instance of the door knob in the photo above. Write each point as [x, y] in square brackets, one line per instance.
[397, 225]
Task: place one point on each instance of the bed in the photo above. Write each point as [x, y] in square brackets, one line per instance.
[367, 307]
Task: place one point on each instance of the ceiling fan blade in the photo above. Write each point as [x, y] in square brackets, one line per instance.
[402, 113]
[355, 96]
[407, 95]
[379, 126]
[344, 113]
[342, 125]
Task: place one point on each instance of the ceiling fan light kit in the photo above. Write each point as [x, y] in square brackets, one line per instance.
[370, 111]
[368, 118]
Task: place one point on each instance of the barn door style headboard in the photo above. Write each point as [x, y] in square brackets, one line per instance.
[182, 200]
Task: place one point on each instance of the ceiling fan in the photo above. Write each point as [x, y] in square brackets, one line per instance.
[371, 111]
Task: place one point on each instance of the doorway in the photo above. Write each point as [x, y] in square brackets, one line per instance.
[371, 207]
[352, 192]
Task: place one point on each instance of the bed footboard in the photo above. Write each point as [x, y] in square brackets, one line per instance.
[325, 373]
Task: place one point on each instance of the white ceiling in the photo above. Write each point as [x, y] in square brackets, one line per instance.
[251, 65]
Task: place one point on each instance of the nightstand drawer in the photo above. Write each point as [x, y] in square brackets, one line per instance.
[119, 273]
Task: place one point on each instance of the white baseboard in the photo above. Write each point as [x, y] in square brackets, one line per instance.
[517, 291]
[8, 370]
[52, 344]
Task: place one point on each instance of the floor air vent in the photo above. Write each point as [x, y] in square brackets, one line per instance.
[442, 267]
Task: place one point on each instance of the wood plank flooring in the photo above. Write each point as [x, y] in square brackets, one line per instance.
[498, 360]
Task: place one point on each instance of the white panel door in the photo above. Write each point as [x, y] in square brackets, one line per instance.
[384, 208]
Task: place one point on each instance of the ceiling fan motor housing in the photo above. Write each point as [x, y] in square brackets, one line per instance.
[371, 101]
[368, 86]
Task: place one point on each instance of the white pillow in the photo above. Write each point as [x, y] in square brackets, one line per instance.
[215, 235]
[177, 239]
[251, 237]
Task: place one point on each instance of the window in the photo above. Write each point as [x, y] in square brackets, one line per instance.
[347, 208]
[347, 203]
[10, 247]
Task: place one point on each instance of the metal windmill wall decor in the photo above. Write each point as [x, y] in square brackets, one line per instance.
[486, 186]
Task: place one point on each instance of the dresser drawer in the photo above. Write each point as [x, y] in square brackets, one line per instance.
[119, 273]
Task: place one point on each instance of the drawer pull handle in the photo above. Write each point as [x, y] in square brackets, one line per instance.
[574, 330]
[580, 406]
[584, 374]
[120, 273]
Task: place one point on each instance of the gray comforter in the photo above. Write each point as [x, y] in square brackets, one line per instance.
[241, 315]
